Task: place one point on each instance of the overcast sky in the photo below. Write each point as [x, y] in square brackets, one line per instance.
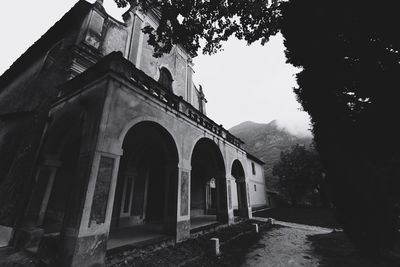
[241, 83]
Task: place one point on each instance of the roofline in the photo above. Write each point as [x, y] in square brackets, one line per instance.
[252, 157]
[45, 42]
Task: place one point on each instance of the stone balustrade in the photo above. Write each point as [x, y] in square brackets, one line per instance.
[116, 64]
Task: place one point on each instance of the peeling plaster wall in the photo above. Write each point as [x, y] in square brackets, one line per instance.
[174, 62]
[115, 38]
[108, 35]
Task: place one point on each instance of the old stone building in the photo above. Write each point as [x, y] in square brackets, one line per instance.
[102, 145]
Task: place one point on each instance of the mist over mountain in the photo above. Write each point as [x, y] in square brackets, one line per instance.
[266, 141]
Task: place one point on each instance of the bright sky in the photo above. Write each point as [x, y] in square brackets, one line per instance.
[242, 83]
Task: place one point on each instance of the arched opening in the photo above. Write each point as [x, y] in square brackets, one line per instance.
[207, 185]
[166, 79]
[240, 205]
[146, 193]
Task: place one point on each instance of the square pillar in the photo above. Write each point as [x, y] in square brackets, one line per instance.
[248, 212]
[183, 205]
[171, 198]
[229, 183]
[84, 237]
[244, 206]
[224, 207]
[30, 233]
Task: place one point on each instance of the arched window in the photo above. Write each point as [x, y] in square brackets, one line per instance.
[166, 79]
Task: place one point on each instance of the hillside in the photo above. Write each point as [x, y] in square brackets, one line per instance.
[266, 141]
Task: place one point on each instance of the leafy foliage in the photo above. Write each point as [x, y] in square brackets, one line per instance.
[186, 22]
[299, 171]
[349, 52]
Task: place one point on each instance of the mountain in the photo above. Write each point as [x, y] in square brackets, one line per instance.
[266, 141]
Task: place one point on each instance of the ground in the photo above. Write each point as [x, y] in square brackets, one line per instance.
[309, 216]
[11, 258]
[334, 249]
[282, 244]
[235, 240]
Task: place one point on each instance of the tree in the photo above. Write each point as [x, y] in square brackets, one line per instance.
[186, 22]
[349, 53]
[299, 173]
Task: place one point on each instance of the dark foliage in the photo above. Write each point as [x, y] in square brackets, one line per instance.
[266, 142]
[349, 55]
[300, 174]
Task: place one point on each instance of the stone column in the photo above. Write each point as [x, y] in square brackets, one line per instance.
[230, 200]
[244, 203]
[38, 202]
[183, 204]
[224, 196]
[170, 198]
[52, 166]
[30, 233]
[85, 235]
[248, 211]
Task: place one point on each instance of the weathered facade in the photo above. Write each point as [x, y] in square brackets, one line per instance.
[97, 137]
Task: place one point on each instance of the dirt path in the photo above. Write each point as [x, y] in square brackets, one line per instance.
[285, 246]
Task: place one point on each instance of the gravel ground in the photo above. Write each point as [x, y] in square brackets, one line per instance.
[235, 241]
[310, 216]
[285, 246]
[279, 245]
[12, 258]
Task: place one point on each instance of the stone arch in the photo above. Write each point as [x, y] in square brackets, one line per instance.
[238, 173]
[208, 184]
[236, 161]
[146, 192]
[129, 125]
[195, 140]
[237, 170]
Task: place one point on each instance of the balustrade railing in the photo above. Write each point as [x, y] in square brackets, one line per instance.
[191, 112]
[115, 63]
